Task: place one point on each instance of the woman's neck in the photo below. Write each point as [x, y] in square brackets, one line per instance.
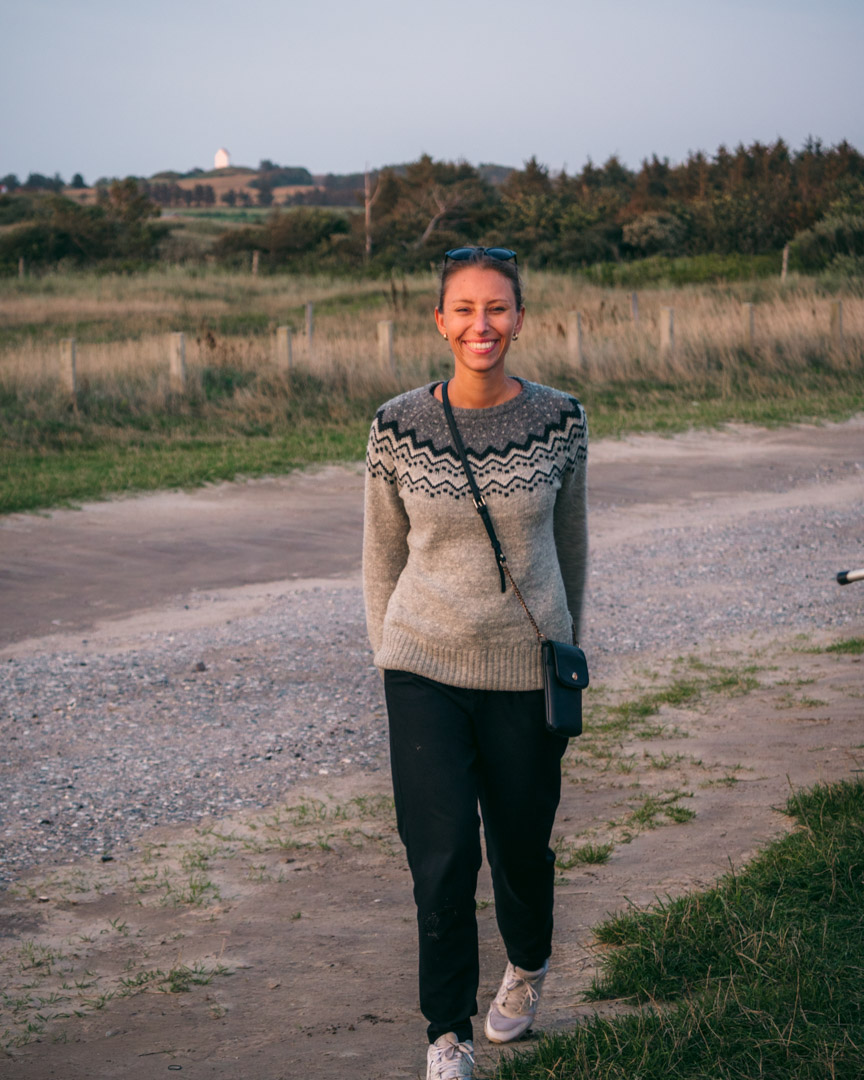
[480, 392]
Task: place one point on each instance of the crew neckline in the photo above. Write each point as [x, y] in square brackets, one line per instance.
[488, 410]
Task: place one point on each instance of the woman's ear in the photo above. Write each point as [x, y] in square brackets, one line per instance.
[439, 322]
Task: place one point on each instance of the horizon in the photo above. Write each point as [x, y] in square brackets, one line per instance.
[710, 154]
[107, 91]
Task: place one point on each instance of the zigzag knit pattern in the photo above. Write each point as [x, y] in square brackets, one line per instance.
[410, 444]
[434, 604]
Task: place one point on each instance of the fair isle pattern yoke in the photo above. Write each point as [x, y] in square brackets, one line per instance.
[420, 457]
[433, 598]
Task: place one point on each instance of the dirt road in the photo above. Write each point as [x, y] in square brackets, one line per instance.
[291, 926]
[70, 569]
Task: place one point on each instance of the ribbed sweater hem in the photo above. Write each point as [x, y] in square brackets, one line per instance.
[506, 667]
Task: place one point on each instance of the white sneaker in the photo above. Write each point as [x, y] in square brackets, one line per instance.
[512, 1012]
[449, 1059]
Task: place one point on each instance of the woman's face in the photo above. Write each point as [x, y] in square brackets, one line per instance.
[479, 318]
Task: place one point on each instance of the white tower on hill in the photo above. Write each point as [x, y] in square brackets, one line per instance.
[222, 159]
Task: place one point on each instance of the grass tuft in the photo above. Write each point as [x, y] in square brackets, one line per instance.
[567, 856]
[758, 977]
[853, 645]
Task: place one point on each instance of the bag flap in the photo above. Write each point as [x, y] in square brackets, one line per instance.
[568, 663]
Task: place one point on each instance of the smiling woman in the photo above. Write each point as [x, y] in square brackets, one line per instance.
[460, 661]
[480, 315]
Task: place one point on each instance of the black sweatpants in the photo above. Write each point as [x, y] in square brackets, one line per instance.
[450, 749]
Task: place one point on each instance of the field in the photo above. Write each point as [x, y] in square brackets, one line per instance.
[242, 413]
[265, 926]
[234, 178]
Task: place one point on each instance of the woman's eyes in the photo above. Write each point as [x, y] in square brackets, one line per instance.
[467, 310]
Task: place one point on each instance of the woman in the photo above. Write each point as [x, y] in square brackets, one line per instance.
[460, 660]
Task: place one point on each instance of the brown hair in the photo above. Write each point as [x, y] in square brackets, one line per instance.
[506, 267]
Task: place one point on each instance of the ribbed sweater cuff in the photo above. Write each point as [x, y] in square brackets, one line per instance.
[505, 667]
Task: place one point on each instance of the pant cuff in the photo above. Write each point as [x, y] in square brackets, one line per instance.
[463, 1030]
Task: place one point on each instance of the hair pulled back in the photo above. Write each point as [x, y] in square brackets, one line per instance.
[505, 267]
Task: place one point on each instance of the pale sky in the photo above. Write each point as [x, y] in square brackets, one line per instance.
[104, 87]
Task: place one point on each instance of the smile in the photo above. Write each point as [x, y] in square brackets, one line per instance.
[480, 346]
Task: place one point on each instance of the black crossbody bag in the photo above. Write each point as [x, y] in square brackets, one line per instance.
[565, 669]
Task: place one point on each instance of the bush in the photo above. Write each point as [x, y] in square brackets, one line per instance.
[656, 234]
[60, 229]
[15, 208]
[236, 241]
[302, 230]
[285, 237]
[839, 236]
[282, 176]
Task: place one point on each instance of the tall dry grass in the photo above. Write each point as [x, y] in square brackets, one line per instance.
[192, 291]
[127, 427]
[711, 326]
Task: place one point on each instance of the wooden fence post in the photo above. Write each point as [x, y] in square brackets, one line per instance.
[385, 346]
[22, 267]
[750, 324]
[574, 338]
[177, 361]
[256, 258]
[837, 320]
[310, 325]
[284, 349]
[68, 374]
[784, 269]
[667, 329]
[634, 307]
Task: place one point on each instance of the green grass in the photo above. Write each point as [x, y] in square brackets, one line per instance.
[568, 855]
[228, 214]
[758, 977]
[681, 691]
[53, 477]
[854, 645]
[684, 270]
[652, 808]
[111, 444]
[617, 408]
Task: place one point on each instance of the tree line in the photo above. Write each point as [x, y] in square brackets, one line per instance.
[749, 201]
[52, 230]
[38, 182]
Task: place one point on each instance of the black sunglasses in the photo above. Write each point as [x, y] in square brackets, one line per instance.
[464, 253]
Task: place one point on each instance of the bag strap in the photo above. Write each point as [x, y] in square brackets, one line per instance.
[483, 510]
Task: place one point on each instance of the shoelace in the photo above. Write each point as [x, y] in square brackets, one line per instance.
[446, 1060]
[527, 999]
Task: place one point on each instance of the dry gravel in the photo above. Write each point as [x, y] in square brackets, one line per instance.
[101, 743]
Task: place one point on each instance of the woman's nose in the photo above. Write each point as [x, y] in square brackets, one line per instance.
[481, 322]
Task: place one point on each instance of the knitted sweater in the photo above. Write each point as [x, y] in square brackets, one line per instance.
[434, 604]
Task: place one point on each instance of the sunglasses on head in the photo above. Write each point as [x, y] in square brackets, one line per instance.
[464, 253]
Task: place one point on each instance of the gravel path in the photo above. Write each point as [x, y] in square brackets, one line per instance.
[99, 745]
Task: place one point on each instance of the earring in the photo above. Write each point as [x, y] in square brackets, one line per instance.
[444, 336]
[515, 337]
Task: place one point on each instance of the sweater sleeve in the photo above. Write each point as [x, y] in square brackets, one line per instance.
[571, 524]
[385, 534]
